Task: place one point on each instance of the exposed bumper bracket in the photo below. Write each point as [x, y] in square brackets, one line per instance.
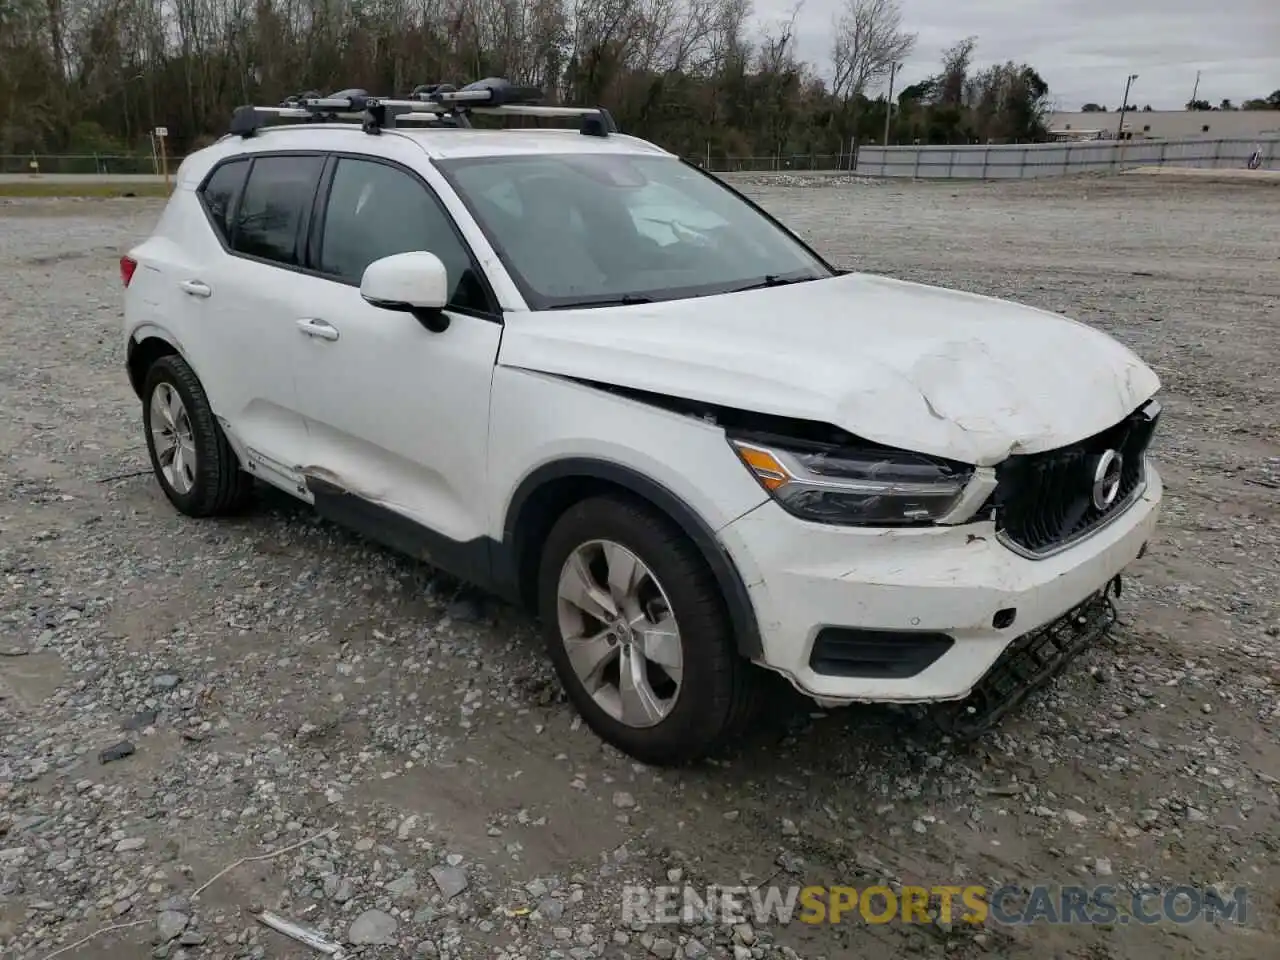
[1029, 664]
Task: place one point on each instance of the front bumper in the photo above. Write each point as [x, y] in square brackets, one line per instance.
[955, 595]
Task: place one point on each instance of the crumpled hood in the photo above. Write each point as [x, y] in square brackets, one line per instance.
[932, 370]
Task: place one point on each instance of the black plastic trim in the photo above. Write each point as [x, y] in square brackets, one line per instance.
[495, 565]
[467, 560]
[246, 159]
[136, 375]
[600, 124]
[876, 654]
[319, 203]
[506, 559]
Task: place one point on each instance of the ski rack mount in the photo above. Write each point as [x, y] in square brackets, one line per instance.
[440, 104]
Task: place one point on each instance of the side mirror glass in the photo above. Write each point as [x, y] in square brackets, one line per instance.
[410, 282]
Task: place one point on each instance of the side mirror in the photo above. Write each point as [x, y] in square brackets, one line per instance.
[414, 282]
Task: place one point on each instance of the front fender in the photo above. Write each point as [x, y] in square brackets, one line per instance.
[544, 430]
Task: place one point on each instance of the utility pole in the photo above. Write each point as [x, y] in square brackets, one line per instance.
[888, 105]
[1124, 105]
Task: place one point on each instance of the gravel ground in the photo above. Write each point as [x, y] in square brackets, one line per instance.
[273, 677]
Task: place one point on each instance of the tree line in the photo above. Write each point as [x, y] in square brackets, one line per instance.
[80, 76]
[1258, 103]
[1271, 102]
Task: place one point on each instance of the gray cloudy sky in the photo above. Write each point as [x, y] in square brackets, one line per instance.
[1086, 48]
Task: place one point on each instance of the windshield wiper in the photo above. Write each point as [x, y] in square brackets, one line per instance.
[626, 300]
[771, 280]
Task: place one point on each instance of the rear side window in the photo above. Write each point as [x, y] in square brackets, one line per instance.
[220, 192]
[276, 200]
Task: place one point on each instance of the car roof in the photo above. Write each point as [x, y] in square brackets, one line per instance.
[438, 143]
[441, 144]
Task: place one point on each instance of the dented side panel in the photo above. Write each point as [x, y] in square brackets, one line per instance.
[397, 415]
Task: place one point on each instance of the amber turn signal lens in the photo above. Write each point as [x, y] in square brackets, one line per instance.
[765, 465]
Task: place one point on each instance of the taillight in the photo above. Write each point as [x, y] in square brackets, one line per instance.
[127, 266]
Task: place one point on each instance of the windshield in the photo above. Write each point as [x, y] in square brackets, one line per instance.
[584, 229]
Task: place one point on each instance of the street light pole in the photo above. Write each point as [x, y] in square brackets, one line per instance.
[888, 105]
[1124, 106]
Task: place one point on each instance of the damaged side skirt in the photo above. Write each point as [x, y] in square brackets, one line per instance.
[470, 560]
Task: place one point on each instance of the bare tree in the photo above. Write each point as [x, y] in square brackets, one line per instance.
[91, 79]
[956, 61]
[779, 78]
[868, 41]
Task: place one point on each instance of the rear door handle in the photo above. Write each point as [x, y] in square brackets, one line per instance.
[318, 328]
[195, 288]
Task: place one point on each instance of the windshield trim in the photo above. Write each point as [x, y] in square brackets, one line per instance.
[638, 298]
[538, 302]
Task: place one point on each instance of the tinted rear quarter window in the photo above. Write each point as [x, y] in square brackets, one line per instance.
[276, 201]
[220, 192]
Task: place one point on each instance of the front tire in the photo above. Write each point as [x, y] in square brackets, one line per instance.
[639, 634]
[195, 465]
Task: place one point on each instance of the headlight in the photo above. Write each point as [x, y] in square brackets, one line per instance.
[875, 487]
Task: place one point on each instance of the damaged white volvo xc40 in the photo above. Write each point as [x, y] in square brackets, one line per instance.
[593, 379]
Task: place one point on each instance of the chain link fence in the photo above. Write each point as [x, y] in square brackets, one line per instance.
[99, 164]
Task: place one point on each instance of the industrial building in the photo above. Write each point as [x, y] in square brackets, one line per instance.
[1166, 124]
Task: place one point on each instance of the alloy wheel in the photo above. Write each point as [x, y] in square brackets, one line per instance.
[173, 438]
[620, 633]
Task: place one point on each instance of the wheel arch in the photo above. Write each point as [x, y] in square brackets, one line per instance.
[147, 344]
[546, 493]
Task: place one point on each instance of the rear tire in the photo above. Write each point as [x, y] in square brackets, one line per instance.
[195, 465]
[664, 712]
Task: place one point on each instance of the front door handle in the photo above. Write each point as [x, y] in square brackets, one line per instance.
[318, 328]
[195, 288]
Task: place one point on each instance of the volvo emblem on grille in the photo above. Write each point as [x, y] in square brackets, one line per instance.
[1106, 479]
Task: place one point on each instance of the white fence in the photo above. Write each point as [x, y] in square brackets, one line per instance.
[1019, 161]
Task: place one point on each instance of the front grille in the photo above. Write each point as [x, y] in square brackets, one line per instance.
[1044, 501]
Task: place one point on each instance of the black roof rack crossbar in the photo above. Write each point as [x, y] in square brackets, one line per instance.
[438, 104]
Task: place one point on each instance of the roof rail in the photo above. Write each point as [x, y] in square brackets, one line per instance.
[440, 104]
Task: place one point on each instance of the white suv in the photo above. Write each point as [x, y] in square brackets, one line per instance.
[573, 369]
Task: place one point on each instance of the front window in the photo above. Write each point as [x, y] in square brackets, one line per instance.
[593, 229]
